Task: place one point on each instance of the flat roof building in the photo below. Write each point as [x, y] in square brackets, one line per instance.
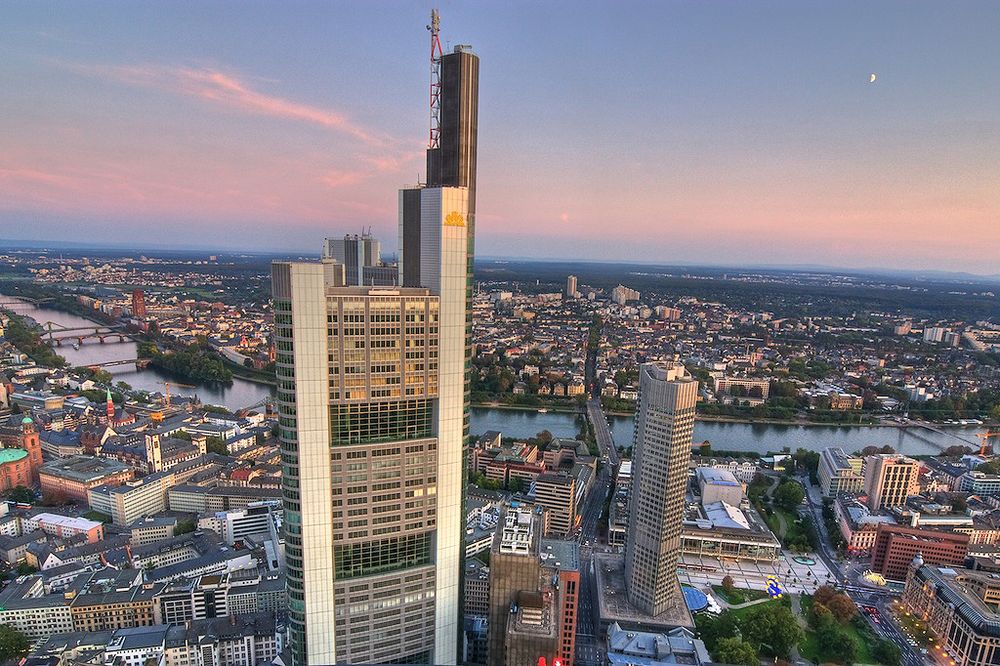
[718, 485]
[72, 477]
[839, 473]
[896, 546]
[557, 493]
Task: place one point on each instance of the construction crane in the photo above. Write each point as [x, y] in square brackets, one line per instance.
[166, 387]
[986, 447]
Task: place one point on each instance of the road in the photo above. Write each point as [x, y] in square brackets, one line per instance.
[872, 602]
[602, 432]
[590, 647]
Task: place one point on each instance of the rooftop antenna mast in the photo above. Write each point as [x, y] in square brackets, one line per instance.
[436, 53]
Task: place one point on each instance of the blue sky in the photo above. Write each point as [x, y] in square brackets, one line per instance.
[670, 131]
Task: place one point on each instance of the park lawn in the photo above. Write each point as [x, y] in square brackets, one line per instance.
[739, 595]
[791, 519]
[811, 649]
[740, 613]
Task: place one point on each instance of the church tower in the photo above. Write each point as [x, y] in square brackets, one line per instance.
[31, 443]
[110, 410]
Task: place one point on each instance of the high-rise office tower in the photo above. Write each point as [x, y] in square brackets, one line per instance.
[662, 450]
[889, 480]
[571, 286]
[373, 416]
[138, 304]
[356, 253]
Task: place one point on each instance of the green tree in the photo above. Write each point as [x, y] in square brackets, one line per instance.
[840, 645]
[23, 568]
[843, 608]
[734, 651]
[185, 526]
[713, 629]
[727, 584]
[772, 629]
[102, 376]
[789, 495]
[216, 445]
[20, 494]
[13, 644]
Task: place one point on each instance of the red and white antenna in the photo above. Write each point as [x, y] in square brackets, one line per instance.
[436, 53]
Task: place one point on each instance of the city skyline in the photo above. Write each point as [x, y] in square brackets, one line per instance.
[745, 135]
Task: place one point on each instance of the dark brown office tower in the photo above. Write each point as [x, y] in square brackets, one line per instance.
[138, 304]
[453, 162]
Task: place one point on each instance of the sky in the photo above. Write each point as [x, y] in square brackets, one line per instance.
[669, 132]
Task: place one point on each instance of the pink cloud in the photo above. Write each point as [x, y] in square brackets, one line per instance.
[336, 178]
[225, 89]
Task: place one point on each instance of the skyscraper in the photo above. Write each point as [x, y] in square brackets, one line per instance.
[356, 253]
[373, 417]
[138, 304]
[662, 450]
[570, 286]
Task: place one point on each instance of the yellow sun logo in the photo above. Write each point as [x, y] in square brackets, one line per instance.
[454, 219]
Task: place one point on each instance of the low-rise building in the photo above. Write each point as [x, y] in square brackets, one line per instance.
[64, 527]
[858, 525]
[744, 469]
[189, 498]
[72, 477]
[718, 485]
[632, 648]
[128, 502]
[896, 546]
[151, 529]
[959, 606]
[720, 530]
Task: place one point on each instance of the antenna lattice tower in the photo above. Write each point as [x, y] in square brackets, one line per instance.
[435, 98]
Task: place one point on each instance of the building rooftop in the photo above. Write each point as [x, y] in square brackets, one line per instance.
[725, 515]
[613, 599]
[83, 469]
[717, 477]
[12, 455]
[69, 522]
[560, 555]
[951, 586]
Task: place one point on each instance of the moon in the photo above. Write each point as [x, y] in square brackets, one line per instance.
[871, 78]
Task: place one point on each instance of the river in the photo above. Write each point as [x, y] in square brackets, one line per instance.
[241, 393]
[525, 423]
[758, 437]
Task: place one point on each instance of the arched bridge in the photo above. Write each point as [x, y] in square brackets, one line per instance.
[56, 335]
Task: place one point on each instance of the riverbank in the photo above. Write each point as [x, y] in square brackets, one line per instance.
[234, 396]
[562, 409]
